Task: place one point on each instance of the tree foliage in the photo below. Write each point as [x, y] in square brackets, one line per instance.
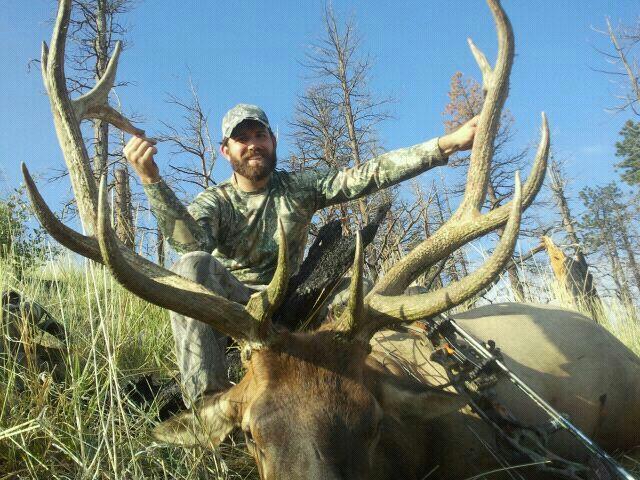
[605, 230]
[21, 243]
[629, 150]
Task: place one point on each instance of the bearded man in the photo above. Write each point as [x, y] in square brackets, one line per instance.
[228, 235]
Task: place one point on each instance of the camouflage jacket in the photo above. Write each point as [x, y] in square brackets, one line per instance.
[240, 228]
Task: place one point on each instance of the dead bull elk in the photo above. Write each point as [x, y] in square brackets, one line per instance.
[319, 405]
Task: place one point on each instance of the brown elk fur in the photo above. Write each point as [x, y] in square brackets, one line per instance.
[315, 406]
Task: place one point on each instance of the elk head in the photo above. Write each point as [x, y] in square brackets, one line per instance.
[312, 404]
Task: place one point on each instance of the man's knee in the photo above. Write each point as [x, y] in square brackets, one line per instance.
[205, 269]
[196, 266]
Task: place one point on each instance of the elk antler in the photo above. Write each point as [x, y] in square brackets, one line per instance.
[156, 284]
[68, 113]
[139, 275]
[355, 313]
[467, 223]
[387, 309]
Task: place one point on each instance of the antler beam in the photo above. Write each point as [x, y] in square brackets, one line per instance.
[67, 115]
[384, 310]
[139, 275]
[384, 304]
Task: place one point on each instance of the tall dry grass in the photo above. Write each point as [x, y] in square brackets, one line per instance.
[85, 427]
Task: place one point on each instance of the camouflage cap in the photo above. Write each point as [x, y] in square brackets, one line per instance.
[242, 112]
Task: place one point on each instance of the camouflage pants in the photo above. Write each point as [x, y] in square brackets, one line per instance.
[200, 350]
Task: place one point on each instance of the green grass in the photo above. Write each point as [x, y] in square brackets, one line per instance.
[84, 427]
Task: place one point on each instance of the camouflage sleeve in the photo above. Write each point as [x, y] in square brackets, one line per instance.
[381, 172]
[181, 230]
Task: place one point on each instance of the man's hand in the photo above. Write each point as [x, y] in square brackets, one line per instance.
[139, 153]
[461, 139]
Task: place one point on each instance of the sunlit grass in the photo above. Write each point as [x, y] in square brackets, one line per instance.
[85, 427]
[540, 286]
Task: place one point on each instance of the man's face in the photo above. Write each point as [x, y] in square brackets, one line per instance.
[251, 150]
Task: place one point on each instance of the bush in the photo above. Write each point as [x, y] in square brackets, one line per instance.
[21, 244]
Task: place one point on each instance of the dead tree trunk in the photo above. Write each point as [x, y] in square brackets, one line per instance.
[619, 278]
[579, 279]
[343, 50]
[626, 243]
[123, 212]
[160, 247]
[574, 278]
[101, 128]
[557, 185]
[329, 257]
[630, 70]
[512, 269]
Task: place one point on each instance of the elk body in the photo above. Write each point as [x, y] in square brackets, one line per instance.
[576, 365]
[320, 405]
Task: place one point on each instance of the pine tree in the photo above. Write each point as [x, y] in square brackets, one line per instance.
[605, 228]
[629, 150]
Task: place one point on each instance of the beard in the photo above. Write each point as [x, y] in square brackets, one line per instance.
[254, 172]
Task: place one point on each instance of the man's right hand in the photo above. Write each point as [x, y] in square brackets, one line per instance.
[139, 153]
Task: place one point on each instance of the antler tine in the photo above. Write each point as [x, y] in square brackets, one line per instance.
[354, 314]
[263, 304]
[44, 62]
[67, 126]
[95, 103]
[59, 37]
[496, 82]
[457, 232]
[483, 63]
[74, 241]
[385, 310]
[175, 293]
[466, 223]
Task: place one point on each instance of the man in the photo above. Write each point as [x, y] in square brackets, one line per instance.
[228, 235]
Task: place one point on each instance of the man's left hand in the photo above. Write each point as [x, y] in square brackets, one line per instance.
[461, 139]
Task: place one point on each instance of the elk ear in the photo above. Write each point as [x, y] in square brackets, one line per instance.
[408, 399]
[207, 424]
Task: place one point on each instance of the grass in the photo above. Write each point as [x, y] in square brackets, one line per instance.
[84, 427]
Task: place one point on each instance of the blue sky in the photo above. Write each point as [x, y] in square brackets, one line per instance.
[251, 51]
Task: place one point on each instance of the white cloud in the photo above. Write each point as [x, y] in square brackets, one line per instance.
[597, 149]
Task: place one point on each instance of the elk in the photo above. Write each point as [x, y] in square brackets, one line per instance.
[317, 404]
